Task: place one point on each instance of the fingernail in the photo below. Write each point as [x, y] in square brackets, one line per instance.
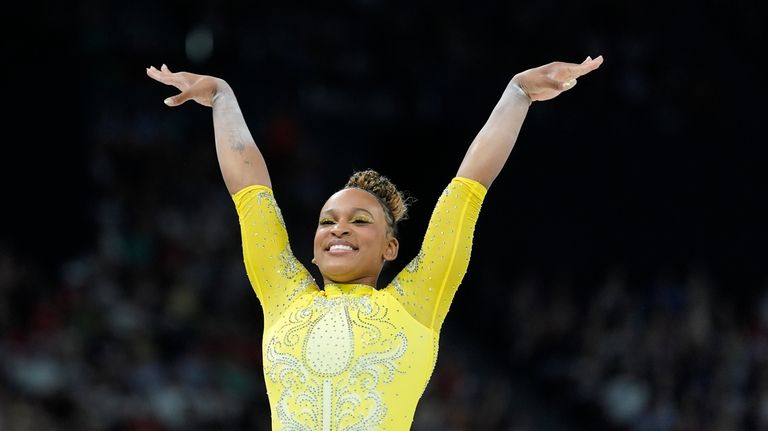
[168, 101]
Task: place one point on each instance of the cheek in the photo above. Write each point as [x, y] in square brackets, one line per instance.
[375, 240]
[318, 239]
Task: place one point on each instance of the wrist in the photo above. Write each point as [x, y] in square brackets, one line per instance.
[519, 92]
[221, 92]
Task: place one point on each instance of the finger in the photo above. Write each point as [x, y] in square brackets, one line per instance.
[164, 68]
[596, 62]
[167, 78]
[587, 66]
[155, 74]
[158, 75]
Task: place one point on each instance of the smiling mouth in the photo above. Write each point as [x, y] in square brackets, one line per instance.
[340, 248]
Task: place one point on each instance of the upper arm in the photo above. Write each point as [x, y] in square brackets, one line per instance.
[275, 274]
[427, 285]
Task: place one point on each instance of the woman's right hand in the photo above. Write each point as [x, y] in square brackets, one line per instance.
[200, 88]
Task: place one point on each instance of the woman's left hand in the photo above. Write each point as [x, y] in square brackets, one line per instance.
[548, 81]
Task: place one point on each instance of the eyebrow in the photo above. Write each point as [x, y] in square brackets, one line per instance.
[333, 210]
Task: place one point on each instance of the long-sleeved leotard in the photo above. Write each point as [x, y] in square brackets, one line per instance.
[350, 357]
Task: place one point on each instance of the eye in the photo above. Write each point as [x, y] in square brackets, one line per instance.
[361, 220]
[326, 221]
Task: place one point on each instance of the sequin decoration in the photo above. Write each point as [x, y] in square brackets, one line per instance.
[292, 270]
[330, 386]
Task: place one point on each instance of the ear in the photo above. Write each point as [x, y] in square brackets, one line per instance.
[391, 249]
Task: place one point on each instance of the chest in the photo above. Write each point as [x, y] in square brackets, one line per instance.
[328, 337]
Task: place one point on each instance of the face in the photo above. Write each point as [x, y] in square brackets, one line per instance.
[352, 240]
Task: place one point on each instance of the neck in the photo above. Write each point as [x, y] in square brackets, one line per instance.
[368, 281]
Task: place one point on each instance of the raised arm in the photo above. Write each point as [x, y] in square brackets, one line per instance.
[240, 160]
[491, 147]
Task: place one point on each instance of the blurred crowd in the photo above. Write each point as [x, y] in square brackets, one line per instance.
[675, 352]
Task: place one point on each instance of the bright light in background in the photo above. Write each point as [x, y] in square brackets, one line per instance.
[199, 44]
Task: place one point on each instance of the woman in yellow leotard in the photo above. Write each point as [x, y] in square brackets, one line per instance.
[350, 355]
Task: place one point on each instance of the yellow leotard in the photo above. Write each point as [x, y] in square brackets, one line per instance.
[350, 357]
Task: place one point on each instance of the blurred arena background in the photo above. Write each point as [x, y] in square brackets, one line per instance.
[618, 279]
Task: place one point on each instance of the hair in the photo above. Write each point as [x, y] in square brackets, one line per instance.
[394, 202]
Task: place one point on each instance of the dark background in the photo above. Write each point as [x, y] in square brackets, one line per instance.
[618, 273]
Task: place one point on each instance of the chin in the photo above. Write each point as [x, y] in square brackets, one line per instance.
[339, 275]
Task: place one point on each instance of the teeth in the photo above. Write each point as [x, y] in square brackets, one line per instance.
[340, 247]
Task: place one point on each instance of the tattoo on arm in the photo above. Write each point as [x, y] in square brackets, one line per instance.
[238, 140]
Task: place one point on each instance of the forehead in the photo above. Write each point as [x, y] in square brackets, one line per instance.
[352, 198]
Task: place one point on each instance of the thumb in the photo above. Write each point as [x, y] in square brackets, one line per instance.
[567, 85]
[175, 100]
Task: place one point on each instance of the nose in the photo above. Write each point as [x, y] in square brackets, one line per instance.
[339, 229]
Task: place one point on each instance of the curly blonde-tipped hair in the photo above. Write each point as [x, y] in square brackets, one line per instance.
[394, 202]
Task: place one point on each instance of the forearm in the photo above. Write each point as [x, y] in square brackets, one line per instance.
[240, 159]
[491, 147]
